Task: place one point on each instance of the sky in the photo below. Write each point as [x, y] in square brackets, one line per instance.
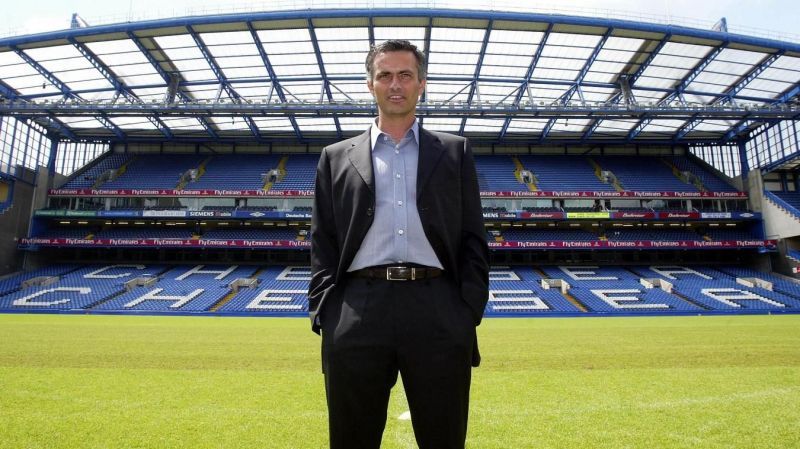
[766, 18]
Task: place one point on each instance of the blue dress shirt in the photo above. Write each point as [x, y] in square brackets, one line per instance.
[396, 235]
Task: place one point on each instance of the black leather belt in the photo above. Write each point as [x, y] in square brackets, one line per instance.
[399, 273]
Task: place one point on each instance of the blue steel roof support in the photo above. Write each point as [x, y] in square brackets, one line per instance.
[276, 85]
[546, 130]
[683, 34]
[681, 88]
[325, 81]
[45, 73]
[789, 95]
[742, 82]
[631, 82]
[770, 123]
[7, 91]
[689, 79]
[49, 122]
[100, 117]
[466, 79]
[103, 119]
[567, 96]
[477, 72]
[741, 144]
[736, 129]
[777, 163]
[371, 32]
[524, 86]
[54, 124]
[579, 91]
[426, 12]
[687, 128]
[166, 77]
[653, 54]
[737, 87]
[120, 87]
[221, 77]
[426, 50]
[592, 128]
[746, 123]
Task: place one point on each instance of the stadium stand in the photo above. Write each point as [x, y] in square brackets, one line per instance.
[514, 291]
[611, 289]
[91, 176]
[571, 173]
[14, 282]
[78, 289]
[792, 198]
[779, 284]
[784, 201]
[65, 233]
[496, 174]
[715, 290]
[300, 172]
[235, 171]
[251, 234]
[542, 209]
[279, 290]
[646, 234]
[643, 174]
[514, 130]
[186, 287]
[256, 208]
[730, 234]
[144, 233]
[223, 208]
[547, 235]
[710, 181]
[155, 171]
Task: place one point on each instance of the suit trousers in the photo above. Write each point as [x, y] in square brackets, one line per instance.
[375, 329]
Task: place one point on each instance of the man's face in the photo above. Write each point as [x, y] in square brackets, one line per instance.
[395, 83]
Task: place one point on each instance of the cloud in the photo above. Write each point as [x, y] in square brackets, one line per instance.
[42, 24]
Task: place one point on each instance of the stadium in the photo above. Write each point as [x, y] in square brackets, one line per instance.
[639, 182]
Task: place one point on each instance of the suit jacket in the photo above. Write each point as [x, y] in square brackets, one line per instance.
[448, 201]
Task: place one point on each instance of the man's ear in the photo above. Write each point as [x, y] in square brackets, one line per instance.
[371, 87]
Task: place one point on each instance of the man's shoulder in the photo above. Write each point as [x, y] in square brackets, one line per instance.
[343, 145]
[445, 137]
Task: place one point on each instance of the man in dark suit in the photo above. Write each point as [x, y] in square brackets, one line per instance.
[399, 266]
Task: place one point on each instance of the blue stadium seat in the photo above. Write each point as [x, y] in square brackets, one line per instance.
[155, 171]
[515, 291]
[496, 174]
[564, 173]
[301, 170]
[87, 178]
[236, 172]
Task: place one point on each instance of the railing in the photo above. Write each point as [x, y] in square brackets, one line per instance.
[780, 202]
[539, 109]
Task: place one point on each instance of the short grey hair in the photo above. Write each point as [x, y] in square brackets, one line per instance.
[396, 45]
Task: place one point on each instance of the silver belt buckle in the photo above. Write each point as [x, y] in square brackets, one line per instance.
[392, 271]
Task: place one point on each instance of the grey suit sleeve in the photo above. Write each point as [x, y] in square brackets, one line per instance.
[474, 251]
[324, 247]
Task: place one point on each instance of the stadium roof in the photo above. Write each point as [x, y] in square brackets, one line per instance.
[494, 76]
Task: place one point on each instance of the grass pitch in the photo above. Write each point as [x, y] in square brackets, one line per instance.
[208, 382]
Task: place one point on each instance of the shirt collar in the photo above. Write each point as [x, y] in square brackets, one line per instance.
[375, 132]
